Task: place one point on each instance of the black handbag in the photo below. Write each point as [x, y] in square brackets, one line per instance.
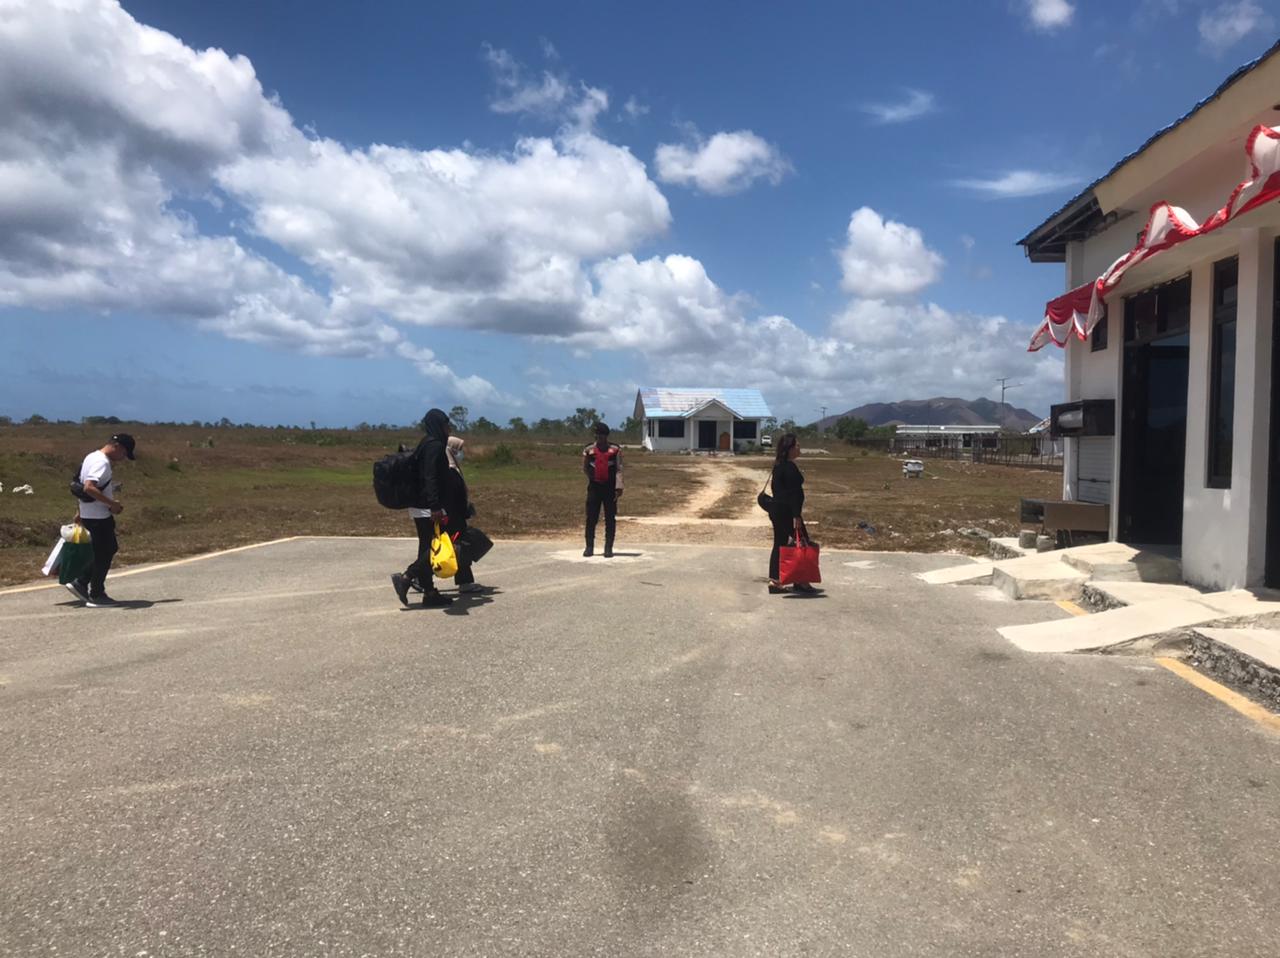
[764, 500]
[473, 544]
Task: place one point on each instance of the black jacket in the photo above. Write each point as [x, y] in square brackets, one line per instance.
[788, 490]
[437, 485]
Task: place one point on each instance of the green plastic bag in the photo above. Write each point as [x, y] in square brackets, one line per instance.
[74, 560]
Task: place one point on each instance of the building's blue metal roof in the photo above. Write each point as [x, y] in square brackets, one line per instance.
[662, 402]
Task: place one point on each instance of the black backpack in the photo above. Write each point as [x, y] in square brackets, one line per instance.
[397, 479]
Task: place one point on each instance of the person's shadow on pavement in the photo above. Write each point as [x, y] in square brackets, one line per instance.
[133, 604]
[464, 602]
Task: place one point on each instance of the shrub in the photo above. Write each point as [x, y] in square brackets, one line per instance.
[502, 455]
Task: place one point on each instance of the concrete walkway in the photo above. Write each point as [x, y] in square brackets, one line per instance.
[266, 755]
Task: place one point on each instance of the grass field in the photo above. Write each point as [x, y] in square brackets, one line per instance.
[195, 490]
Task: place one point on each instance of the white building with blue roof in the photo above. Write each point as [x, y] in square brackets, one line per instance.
[678, 419]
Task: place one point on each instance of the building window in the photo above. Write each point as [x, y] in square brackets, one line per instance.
[670, 428]
[1157, 312]
[1222, 372]
[1098, 338]
[745, 429]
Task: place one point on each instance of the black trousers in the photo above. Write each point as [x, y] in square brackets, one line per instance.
[784, 527]
[105, 546]
[601, 494]
[420, 569]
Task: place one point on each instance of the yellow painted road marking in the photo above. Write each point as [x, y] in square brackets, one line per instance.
[1251, 710]
[1066, 605]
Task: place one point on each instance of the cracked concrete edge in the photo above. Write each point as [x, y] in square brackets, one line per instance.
[1235, 669]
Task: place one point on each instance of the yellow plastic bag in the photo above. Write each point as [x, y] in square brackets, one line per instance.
[444, 560]
[75, 533]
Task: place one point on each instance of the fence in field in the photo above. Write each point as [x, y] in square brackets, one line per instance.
[1038, 452]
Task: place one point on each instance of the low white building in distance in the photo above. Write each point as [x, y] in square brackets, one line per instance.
[1168, 328]
[675, 419]
[907, 437]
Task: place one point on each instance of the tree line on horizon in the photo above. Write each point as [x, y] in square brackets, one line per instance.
[581, 420]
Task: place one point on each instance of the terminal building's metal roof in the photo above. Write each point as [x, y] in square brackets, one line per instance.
[663, 402]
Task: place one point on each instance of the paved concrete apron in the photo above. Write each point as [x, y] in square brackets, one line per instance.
[644, 757]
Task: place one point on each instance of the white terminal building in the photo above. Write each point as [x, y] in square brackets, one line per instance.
[1168, 329]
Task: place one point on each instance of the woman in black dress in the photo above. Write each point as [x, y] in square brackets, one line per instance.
[788, 507]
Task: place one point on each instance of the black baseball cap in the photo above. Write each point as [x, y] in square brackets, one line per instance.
[126, 440]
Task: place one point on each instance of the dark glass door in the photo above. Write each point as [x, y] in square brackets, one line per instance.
[1154, 440]
[1272, 575]
[706, 434]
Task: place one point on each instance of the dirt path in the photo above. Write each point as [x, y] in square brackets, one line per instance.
[717, 478]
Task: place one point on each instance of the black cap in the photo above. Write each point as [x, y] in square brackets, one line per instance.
[126, 440]
[602, 429]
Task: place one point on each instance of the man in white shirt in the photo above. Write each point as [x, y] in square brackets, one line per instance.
[98, 510]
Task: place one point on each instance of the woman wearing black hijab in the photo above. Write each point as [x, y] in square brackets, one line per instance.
[437, 495]
[788, 507]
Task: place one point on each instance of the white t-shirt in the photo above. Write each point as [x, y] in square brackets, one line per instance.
[97, 468]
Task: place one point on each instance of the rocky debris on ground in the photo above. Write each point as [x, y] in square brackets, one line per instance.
[26, 490]
[973, 532]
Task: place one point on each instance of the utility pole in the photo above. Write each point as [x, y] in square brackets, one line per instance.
[822, 425]
[1005, 387]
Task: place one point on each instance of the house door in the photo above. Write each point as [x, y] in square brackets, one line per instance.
[706, 434]
[726, 443]
[1153, 437]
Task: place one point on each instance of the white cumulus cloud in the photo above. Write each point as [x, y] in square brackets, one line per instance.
[1049, 15]
[726, 163]
[1228, 24]
[884, 258]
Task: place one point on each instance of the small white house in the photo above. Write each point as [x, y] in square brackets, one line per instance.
[1172, 411]
[708, 420]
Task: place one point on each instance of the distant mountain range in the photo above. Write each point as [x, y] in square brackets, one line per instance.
[941, 411]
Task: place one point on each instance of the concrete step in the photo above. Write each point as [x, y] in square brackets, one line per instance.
[1249, 658]
[1040, 576]
[1150, 620]
[1008, 548]
[969, 573]
[1101, 596]
[1119, 562]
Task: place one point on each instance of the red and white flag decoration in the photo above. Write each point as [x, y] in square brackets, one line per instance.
[1168, 226]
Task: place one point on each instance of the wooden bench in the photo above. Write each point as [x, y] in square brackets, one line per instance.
[1067, 519]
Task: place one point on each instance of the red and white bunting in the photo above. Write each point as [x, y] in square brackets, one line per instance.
[1167, 226]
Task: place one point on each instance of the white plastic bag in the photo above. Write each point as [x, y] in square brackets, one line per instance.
[51, 564]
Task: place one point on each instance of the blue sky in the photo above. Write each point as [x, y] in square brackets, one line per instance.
[293, 211]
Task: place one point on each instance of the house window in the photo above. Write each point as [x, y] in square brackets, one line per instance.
[745, 429]
[1222, 372]
[650, 427]
[670, 428]
[1098, 338]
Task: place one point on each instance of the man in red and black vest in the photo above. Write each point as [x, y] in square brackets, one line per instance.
[602, 462]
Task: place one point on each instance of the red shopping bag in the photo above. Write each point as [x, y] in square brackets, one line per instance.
[798, 563]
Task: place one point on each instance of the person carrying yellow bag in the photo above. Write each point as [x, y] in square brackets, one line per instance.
[439, 513]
